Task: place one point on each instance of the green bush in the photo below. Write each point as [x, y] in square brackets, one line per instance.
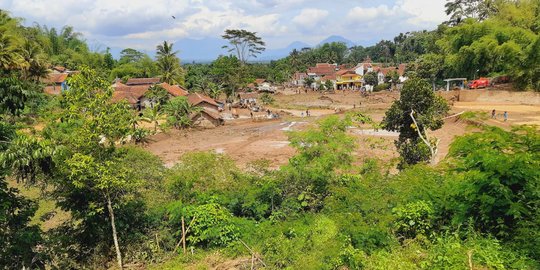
[413, 219]
[380, 87]
[267, 99]
[211, 225]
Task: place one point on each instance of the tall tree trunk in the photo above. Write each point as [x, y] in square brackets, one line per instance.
[115, 235]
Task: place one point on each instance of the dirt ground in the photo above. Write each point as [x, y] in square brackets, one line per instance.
[246, 140]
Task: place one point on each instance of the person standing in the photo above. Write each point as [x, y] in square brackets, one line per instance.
[493, 114]
[505, 116]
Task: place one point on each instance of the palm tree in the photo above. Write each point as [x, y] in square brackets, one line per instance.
[169, 64]
[9, 55]
[179, 112]
[35, 66]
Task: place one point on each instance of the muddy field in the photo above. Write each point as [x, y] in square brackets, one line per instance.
[246, 140]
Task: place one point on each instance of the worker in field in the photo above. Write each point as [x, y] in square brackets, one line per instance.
[505, 116]
[493, 115]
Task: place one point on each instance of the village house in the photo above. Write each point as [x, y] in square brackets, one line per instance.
[135, 89]
[332, 78]
[348, 79]
[320, 70]
[298, 78]
[56, 80]
[344, 78]
[55, 83]
[209, 116]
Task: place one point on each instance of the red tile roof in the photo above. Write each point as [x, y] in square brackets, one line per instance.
[52, 90]
[349, 75]
[55, 78]
[142, 81]
[175, 90]
[401, 69]
[322, 69]
[329, 77]
[197, 98]
[343, 71]
[123, 95]
[118, 84]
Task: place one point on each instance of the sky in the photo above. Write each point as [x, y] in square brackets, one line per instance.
[142, 24]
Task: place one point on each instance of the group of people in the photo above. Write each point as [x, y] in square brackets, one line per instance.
[308, 113]
[494, 115]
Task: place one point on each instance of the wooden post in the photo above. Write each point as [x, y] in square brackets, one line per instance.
[183, 235]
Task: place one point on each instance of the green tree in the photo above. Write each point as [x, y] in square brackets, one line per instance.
[89, 163]
[418, 110]
[498, 192]
[308, 81]
[429, 67]
[10, 57]
[108, 59]
[179, 112]
[371, 78]
[329, 85]
[228, 71]
[157, 95]
[130, 55]
[169, 64]
[462, 9]
[321, 151]
[153, 115]
[243, 43]
[267, 99]
[19, 238]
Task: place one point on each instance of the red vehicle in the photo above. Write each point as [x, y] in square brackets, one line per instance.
[480, 83]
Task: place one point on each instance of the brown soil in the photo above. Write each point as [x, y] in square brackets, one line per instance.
[246, 140]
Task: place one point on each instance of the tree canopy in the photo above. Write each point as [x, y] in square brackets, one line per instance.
[243, 43]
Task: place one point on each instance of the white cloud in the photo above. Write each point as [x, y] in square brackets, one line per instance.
[424, 12]
[310, 17]
[143, 23]
[362, 14]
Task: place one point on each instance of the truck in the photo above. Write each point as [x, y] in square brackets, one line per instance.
[479, 83]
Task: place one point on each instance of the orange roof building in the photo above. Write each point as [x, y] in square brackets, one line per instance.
[142, 81]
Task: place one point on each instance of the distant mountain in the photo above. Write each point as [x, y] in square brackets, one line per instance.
[341, 39]
[275, 54]
[208, 49]
[200, 50]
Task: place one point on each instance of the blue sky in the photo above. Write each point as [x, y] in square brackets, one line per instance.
[142, 24]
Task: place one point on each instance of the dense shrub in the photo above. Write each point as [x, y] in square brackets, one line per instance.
[380, 87]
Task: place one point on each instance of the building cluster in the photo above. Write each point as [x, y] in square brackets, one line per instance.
[55, 82]
[344, 78]
[134, 91]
